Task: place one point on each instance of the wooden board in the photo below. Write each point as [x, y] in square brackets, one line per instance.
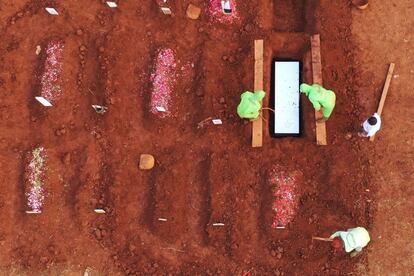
[257, 129]
[384, 93]
[317, 78]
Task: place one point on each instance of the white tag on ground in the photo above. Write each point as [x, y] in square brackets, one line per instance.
[43, 101]
[111, 4]
[52, 11]
[162, 219]
[217, 121]
[100, 211]
[166, 11]
[160, 109]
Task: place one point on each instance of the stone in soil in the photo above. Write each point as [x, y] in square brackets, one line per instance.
[146, 162]
[193, 11]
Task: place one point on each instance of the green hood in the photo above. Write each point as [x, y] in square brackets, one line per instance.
[305, 88]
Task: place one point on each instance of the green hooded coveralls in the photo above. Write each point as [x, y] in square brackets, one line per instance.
[250, 104]
[319, 97]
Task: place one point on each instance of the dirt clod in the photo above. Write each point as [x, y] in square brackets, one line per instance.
[248, 27]
[97, 233]
[200, 92]
[66, 159]
[193, 11]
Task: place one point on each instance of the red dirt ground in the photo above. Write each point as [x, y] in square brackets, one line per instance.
[390, 39]
[202, 175]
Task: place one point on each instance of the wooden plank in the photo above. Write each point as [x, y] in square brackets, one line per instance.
[257, 129]
[317, 78]
[384, 93]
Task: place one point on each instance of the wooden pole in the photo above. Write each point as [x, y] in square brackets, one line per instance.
[317, 78]
[257, 128]
[384, 93]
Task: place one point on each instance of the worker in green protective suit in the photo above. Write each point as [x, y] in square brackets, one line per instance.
[250, 104]
[320, 97]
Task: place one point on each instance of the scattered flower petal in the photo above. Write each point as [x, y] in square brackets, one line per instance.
[50, 87]
[163, 78]
[286, 200]
[35, 175]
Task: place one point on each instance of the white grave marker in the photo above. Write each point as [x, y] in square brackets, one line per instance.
[52, 11]
[99, 211]
[218, 224]
[160, 109]
[162, 219]
[43, 101]
[217, 121]
[111, 4]
[33, 212]
[166, 11]
[226, 7]
[38, 50]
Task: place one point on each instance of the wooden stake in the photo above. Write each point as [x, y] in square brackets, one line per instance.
[317, 78]
[257, 128]
[384, 93]
[203, 122]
